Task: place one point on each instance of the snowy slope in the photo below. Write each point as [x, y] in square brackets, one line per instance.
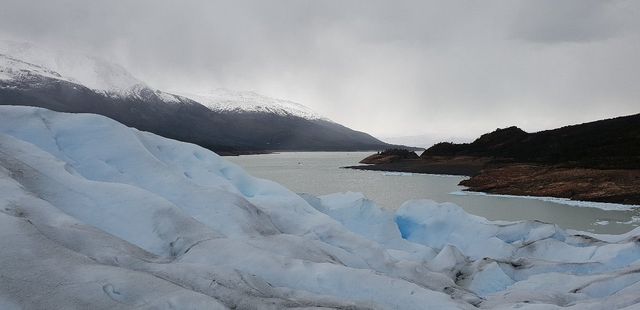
[92, 72]
[13, 68]
[225, 100]
[97, 215]
[20, 60]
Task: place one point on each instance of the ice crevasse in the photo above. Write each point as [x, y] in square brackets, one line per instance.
[96, 214]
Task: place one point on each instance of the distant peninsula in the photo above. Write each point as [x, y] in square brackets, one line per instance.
[596, 161]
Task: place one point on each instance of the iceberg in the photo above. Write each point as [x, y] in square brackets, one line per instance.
[94, 214]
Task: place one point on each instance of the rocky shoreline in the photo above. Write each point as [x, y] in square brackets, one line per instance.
[460, 165]
[599, 185]
[597, 161]
[524, 179]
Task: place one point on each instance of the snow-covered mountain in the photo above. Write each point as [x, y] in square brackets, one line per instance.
[73, 66]
[225, 100]
[94, 214]
[22, 60]
[223, 120]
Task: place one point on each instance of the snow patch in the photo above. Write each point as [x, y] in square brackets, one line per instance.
[224, 100]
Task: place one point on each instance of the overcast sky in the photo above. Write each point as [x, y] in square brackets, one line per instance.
[390, 68]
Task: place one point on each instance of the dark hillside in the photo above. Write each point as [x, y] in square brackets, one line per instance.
[605, 144]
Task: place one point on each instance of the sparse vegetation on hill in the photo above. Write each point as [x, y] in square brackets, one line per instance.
[597, 161]
[390, 155]
[606, 144]
[402, 153]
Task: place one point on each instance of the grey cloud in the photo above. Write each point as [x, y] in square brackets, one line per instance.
[570, 20]
[403, 68]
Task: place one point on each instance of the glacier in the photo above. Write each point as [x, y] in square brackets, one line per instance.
[94, 214]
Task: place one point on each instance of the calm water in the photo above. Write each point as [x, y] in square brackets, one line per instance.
[320, 173]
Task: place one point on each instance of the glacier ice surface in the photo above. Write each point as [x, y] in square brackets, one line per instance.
[97, 215]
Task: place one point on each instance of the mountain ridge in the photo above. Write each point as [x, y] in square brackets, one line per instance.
[257, 124]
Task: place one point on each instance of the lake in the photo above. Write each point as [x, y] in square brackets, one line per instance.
[319, 173]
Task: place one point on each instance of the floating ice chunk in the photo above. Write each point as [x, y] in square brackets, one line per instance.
[398, 174]
[634, 220]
